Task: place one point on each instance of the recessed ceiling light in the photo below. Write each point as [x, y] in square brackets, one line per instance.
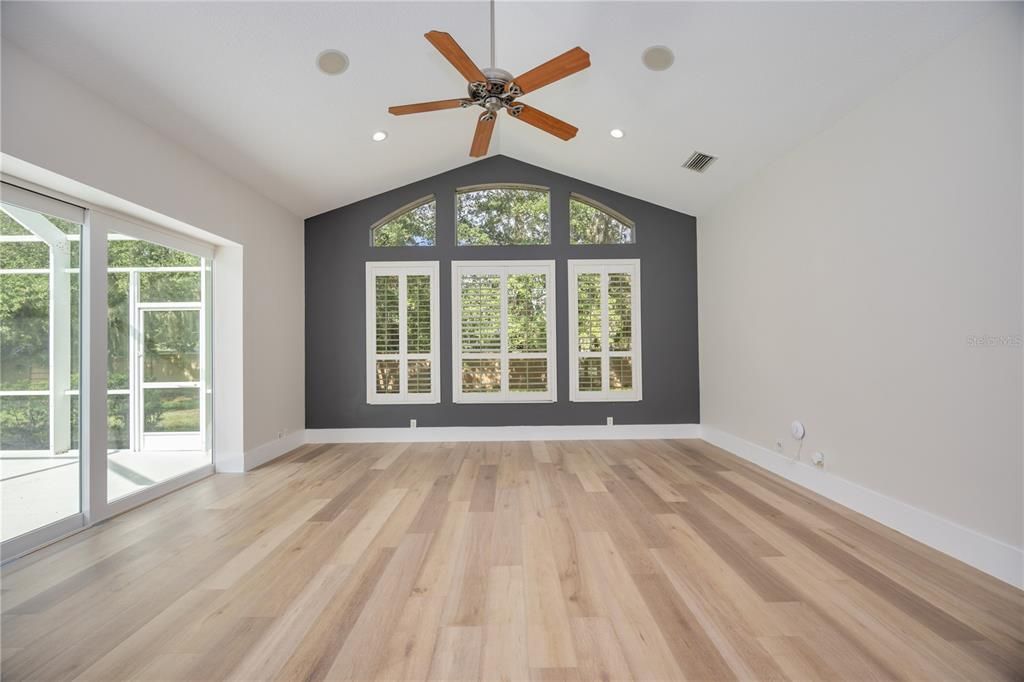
[332, 62]
[616, 133]
[657, 58]
[380, 136]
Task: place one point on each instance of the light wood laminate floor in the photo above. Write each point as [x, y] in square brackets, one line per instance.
[588, 560]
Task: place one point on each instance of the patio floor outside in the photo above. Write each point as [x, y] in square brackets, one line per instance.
[37, 488]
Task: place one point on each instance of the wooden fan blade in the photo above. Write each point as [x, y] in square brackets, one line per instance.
[482, 136]
[546, 122]
[451, 51]
[555, 69]
[403, 109]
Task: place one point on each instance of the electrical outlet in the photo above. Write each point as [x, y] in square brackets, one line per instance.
[280, 434]
[412, 423]
[611, 421]
[818, 459]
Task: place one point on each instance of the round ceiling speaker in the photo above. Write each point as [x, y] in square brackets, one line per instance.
[657, 58]
[332, 62]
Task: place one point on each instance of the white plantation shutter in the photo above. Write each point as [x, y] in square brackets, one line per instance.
[604, 321]
[388, 342]
[527, 302]
[402, 333]
[504, 343]
[481, 332]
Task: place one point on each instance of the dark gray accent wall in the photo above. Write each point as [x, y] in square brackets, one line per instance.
[338, 246]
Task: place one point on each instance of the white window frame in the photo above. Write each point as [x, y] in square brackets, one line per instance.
[397, 213]
[604, 267]
[503, 269]
[501, 185]
[611, 212]
[402, 269]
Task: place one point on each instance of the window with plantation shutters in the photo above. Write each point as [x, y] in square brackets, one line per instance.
[503, 338]
[401, 333]
[604, 329]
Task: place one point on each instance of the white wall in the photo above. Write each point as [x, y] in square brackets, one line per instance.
[841, 287]
[53, 124]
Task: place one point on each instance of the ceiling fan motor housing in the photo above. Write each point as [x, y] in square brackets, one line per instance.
[492, 95]
[497, 76]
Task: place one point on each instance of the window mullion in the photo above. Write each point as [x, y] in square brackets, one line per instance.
[503, 316]
[94, 368]
[605, 337]
[573, 337]
[403, 333]
[456, 345]
[135, 351]
[550, 327]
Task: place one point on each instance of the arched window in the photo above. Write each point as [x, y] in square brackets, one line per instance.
[503, 215]
[411, 225]
[592, 223]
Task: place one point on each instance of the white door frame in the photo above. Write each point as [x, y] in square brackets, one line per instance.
[98, 223]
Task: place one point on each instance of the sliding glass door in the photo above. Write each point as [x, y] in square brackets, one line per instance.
[158, 303]
[40, 466]
[105, 365]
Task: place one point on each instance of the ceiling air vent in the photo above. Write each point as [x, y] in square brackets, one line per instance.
[699, 162]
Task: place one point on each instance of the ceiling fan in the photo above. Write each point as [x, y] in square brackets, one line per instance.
[495, 89]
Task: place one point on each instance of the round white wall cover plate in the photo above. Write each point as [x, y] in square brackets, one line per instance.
[797, 429]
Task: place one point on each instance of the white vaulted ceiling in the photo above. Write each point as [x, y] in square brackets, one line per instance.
[236, 83]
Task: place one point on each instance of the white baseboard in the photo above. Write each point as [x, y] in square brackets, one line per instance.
[989, 555]
[273, 449]
[436, 434]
